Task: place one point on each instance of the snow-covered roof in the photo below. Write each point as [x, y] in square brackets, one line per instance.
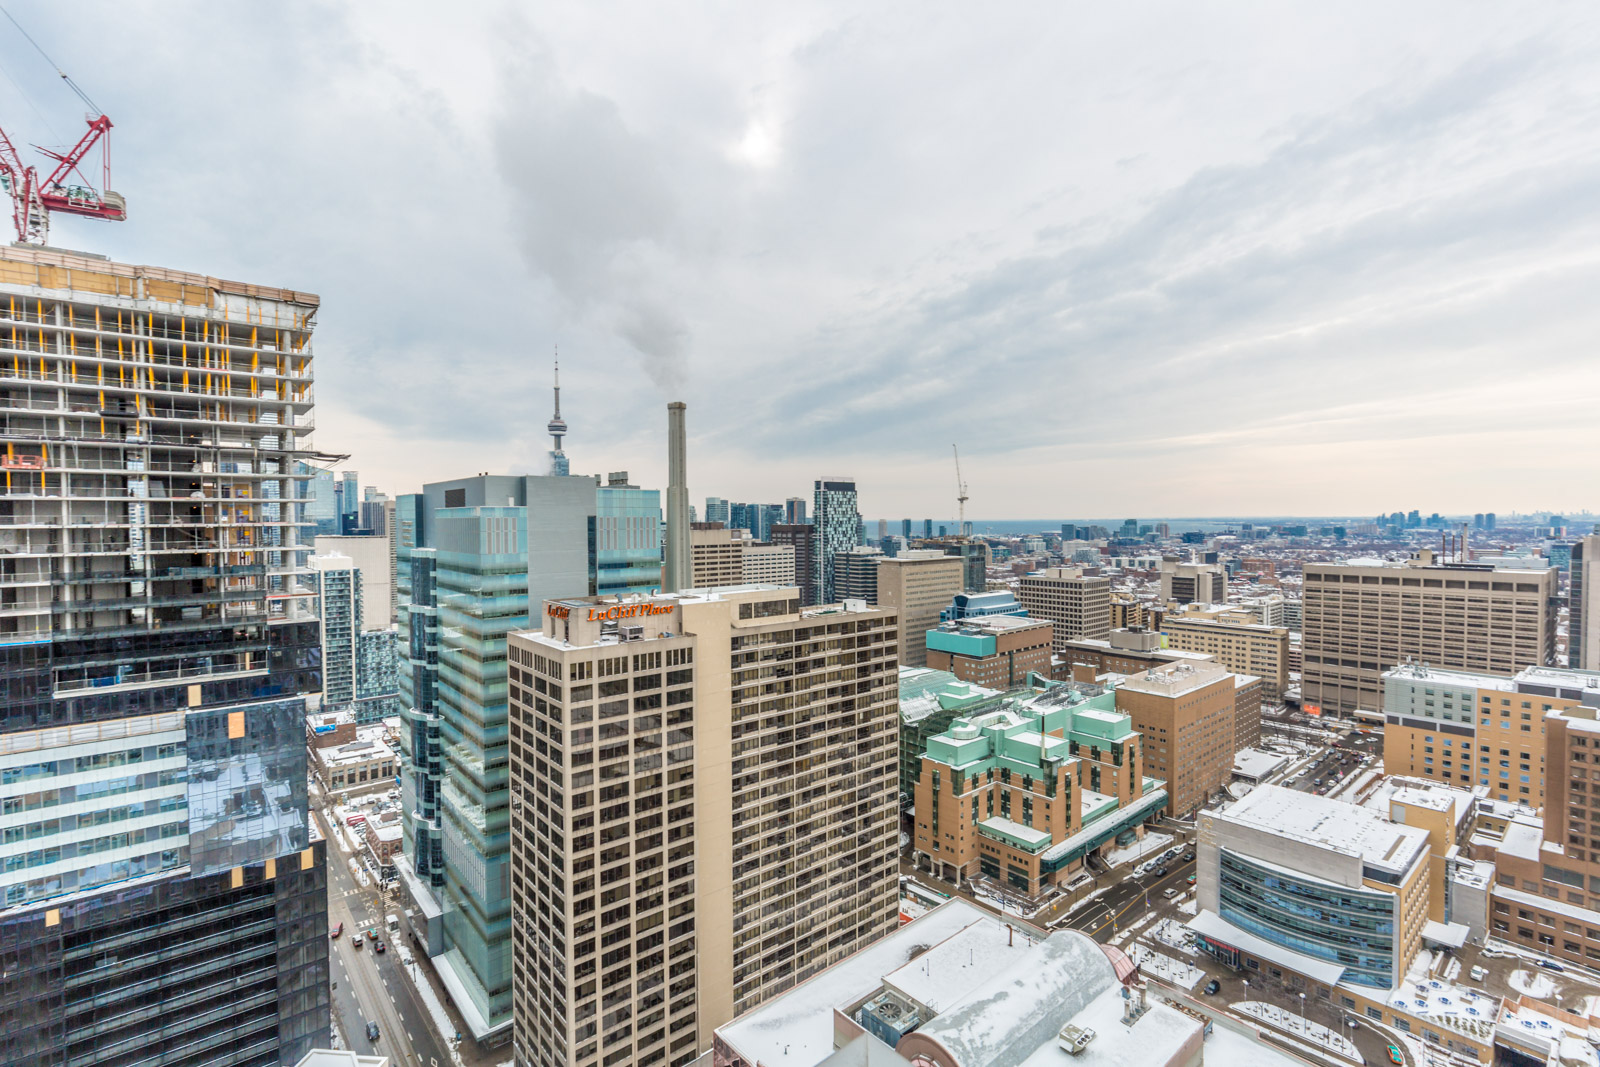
[796, 1028]
[1254, 763]
[1332, 824]
[949, 970]
[1007, 1020]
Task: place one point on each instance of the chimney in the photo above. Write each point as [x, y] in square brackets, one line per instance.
[678, 569]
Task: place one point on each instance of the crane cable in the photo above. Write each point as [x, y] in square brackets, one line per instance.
[70, 83]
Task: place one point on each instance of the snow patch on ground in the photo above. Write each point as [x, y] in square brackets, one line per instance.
[1164, 967]
[1535, 984]
[1293, 1023]
[1189, 905]
[1173, 934]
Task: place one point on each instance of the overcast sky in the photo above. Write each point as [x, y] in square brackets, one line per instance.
[1190, 259]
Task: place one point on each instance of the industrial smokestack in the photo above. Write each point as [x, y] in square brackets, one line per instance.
[679, 570]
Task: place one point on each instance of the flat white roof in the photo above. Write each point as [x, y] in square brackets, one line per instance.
[947, 971]
[1329, 823]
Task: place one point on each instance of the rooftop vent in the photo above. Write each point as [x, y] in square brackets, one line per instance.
[1074, 1038]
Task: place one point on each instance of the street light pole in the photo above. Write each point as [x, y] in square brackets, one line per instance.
[1303, 1031]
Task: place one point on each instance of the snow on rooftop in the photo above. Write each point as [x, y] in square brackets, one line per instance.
[796, 1028]
[1521, 840]
[1158, 1036]
[949, 970]
[1329, 823]
[1254, 763]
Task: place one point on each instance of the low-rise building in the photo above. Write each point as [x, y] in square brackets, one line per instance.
[1125, 652]
[1326, 890]
[998, 651]
[1237, 641]
[359, 766]
[959, 988]
[1023, 793]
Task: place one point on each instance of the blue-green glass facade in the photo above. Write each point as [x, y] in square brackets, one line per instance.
[628, 539]
[1349, 927]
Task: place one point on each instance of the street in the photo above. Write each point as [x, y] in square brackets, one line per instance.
[368, 985]
[1105, 916]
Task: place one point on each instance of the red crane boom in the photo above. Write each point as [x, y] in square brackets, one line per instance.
[33, 198]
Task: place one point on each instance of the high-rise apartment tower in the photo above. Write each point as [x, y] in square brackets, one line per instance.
[690, 834]
[838, 523]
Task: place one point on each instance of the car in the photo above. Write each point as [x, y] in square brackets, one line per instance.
[1169, 893]
[1161, 872]
[372, 1031]
[1316, 781]
[1212, 987]
[336, 931]
[1394, 1055]
[1479, 973]
[1551, 965]
[1190, 879]
[356, 942]
[372, 933]
[1188, 857]
[378, 947]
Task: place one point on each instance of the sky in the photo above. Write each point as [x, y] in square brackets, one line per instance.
[1156, 259]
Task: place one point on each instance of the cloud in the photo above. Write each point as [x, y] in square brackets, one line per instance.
[592, 210]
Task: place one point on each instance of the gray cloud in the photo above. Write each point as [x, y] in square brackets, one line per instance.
[591, 210]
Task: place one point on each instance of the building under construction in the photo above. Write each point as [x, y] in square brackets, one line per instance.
[164, 900]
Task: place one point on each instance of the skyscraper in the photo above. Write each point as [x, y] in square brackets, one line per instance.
[802, 538]
[905, 529]
[161, 896]
[668, 874]
[557, 429]
[794, 511]
[717, 510]
[350, 502]
[838, 523]
[1583, 605]
[322, 495]
[359, 662]
[480, 550]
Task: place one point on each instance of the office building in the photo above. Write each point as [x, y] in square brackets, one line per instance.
[838, 526]
[917, 585]
[322, 498]
[479, 550]
[370, 556]
[1546, 877]
[767, 564]
[975, 562]
[1079, 604]
[627, 537]
[1332, 892]
[855, 573]
[1006, 794]
[978, 605]
[801, 538]
[717, 510]
[670, 872]
[794, 511]
[348, 494]
[716, 555]
[1366, 617]
[1248, 693]
[1185, 713]
[1477, 729]
[1191, 583]
[156, 637]
[998, 651]
[1238, 642]
[1583, 604]
[959, 988]
[1128, 614]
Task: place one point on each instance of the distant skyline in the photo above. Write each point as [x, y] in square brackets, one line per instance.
[1207, 258]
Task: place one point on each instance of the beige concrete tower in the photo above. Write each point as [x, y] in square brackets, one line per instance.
[704, 813]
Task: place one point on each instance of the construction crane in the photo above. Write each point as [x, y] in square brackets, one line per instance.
[34, 198]
[961, 494]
